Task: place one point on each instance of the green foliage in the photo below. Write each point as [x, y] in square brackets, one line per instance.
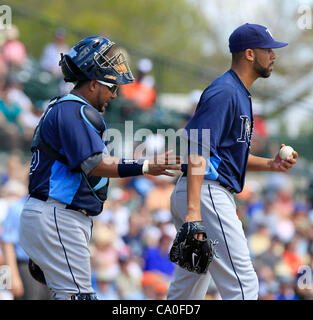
[145, 28]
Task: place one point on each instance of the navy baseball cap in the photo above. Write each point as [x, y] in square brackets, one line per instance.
[252, 36]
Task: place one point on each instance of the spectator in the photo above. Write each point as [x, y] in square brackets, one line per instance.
[162, 218]
[24, 287]
[14, 169]
[105, 248]
[51, 53]
[153, 286]
[105, 287]
[290, 256]
[156, 257]
[115, 212]
[13, 49]
[16, 94]
[31, 119]
[159, 196]
[29, 115]
[10, 111]
[264, 216]
[285, 230]
[284, 203]
[11, 124]
[278, 222]
[260, 241]
[267, 283]
[11, 191]
[160, 290]
[141, 186]
[129, 280]
[254, 201]
[144, 68]
[141, 91]
[286, 289]
[260, 132]
[134, 237]
[272, 255]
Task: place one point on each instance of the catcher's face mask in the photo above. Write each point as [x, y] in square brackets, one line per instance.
[113, 63]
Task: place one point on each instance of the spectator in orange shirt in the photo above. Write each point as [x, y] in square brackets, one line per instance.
[141, 91]
[291, 257]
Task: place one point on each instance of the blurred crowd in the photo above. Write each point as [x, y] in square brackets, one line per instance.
[132, 236]
[19, 114]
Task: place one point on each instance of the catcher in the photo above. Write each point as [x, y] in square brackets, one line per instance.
[71, 167]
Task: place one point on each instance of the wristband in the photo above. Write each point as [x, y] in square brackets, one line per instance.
[145, 167]
[129, 168]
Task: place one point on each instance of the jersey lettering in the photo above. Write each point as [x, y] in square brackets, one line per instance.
[35, 162]
[245, 129]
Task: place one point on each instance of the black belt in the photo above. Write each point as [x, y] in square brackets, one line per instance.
[68, 206]
[231, 190]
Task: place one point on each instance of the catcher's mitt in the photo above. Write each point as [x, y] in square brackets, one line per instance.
[190, 253]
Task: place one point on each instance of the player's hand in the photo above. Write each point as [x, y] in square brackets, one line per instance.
[192, 217]
[280, 165]
[161, 163]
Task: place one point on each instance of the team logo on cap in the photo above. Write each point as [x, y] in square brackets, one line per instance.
[267, 30]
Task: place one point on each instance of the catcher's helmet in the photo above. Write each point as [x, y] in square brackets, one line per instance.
[94, 59]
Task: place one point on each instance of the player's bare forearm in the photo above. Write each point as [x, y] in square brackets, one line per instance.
[195, 174]
[259, 164]
[276, 164]
[108, 167]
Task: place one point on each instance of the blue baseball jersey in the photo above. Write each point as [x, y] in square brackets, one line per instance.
[67, 131]
[225, 109]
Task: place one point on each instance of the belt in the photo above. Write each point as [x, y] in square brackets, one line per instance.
[67, 206]
[231, 190]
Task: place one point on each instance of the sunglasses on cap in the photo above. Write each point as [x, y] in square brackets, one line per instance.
[112, 87]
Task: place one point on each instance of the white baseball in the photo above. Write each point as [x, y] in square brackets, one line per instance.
[286, 152]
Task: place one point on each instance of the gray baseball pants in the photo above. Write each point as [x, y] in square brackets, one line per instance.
[232, 272]
[57, 240]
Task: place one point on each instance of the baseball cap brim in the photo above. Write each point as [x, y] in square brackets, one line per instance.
[274, 45]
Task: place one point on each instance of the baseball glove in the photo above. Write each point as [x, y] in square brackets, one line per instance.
[190, 253]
